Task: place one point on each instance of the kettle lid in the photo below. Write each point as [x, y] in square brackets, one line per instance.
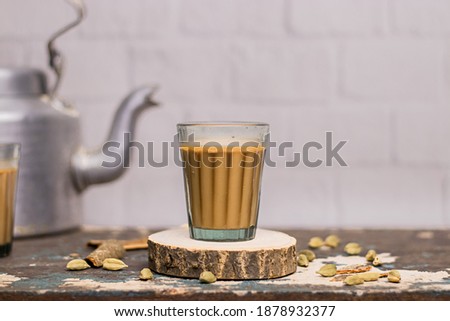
[22, 81]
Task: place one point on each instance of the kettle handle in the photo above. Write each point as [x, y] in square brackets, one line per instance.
[56, 60]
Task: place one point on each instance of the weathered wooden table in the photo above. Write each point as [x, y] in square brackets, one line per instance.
[36, 271]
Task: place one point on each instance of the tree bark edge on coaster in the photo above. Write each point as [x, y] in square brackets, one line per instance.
[270, 255]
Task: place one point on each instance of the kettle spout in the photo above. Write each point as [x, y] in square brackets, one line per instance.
[88, 167]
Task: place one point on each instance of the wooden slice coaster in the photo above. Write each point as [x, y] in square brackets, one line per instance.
[269, 255]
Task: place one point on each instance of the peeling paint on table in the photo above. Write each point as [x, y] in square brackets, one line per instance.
[36, 270]
[412, 280]
[7, 280]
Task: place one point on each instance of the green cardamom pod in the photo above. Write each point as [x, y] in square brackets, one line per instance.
[77, 265]
[393, 279]
[315, 242]
[353, 280]
[309, 254]
[145, 274]
[332, 241]
[394, 273]
[112, 264]
[302, 260]
[370, 256]
[377, 261]
[207, 277]
[352, 248]
[327, 270]
[369, 276]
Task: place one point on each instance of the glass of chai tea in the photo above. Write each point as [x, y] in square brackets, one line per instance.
[9, 161]
[222, 167]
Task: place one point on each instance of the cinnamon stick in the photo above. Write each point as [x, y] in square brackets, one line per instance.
[107, 249]
[357, 268]
[135, 244]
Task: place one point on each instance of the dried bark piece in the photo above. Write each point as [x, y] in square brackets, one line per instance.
[108, 249]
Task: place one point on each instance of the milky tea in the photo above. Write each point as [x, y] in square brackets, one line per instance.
[222, 186]
[8, 177]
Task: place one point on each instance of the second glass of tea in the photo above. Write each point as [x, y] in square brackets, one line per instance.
[9, 162]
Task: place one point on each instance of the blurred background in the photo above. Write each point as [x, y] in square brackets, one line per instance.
[374, 72]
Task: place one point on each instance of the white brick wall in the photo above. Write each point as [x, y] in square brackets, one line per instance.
[191, 71]
[132, 18]
[343, 17]
[422, 137]
[29, 19]
[395, 69]
[406, 197]
[208, 17]
[276, 72]
[422, 16]
[374, 72]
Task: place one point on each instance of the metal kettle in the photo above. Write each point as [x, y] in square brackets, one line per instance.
[54, 167]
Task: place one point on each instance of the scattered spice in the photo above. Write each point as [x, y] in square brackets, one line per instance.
[77, 265]
[113, 264]
[393, 279]
[302, 260]
[332, 241]
[145, 274]
[327, 270]
[352, 248]
[309, 254]
[394, 276]
[207, 277]
[394, 273]
[370, 276]
[370, 256]
[353, 280]
[377, 261]
[315, 242]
